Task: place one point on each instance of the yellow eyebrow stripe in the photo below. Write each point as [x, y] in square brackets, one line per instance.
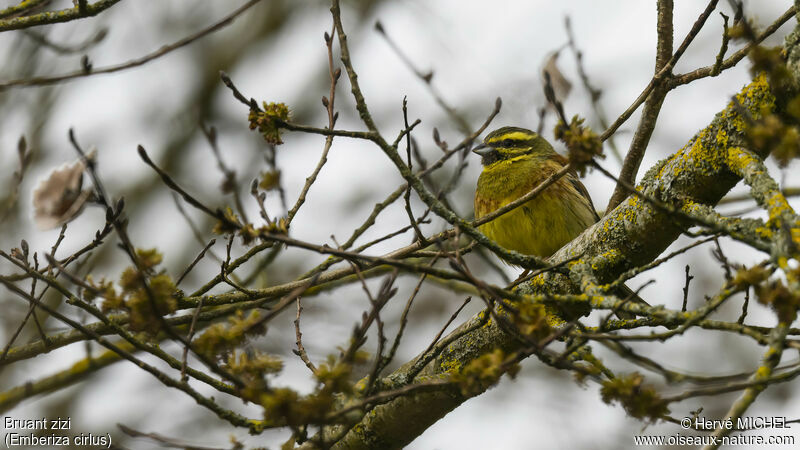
[514, 135]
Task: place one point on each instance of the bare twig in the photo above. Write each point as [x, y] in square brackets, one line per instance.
[301, 351]
[94, 9]
[195, 261]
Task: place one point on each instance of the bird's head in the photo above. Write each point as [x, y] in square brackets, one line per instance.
[512, 142]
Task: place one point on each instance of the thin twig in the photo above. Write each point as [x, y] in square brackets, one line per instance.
[328, 102]
[196, 260]
[301, 351]
[686, 289]
[43, 81]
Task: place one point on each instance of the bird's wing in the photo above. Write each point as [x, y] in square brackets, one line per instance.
[572, 177]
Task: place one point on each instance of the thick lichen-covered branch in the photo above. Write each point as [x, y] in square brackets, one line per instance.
[784, 223]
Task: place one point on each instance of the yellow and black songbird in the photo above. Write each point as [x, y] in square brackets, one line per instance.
[515, 161]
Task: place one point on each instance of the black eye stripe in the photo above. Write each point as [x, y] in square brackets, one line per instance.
[513, 143]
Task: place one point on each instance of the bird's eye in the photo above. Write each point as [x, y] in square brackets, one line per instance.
[508, 142]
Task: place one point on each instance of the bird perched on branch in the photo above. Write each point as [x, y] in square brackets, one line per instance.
[515, 161]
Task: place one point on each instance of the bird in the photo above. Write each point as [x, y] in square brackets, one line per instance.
[516, 160]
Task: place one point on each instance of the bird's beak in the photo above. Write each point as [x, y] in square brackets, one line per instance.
[482, 150]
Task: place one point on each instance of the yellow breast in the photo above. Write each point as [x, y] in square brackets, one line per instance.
[540, 226]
